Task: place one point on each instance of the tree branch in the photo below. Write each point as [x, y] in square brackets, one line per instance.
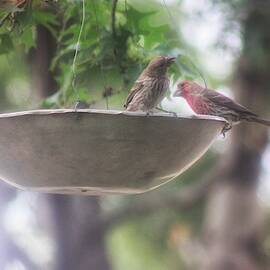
[3, 20]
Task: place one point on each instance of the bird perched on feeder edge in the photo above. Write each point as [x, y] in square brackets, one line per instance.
[210, 102]
[151, 86]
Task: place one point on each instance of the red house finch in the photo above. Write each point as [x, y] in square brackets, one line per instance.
[151, 86]
[205, 101]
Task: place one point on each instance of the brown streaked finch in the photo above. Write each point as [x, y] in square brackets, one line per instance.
[151, 86]
[210, 102]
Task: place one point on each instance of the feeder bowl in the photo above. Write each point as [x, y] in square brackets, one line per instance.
[99, 152]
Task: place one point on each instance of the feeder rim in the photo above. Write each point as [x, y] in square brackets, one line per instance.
[112, 112]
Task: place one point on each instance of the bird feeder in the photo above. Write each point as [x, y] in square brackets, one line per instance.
[99, 152]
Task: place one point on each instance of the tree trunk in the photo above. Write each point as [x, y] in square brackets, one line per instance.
[43, 83]
[79, 240]
[78, 232]
[233, 218]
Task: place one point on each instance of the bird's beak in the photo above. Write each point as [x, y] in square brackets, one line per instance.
[170, 60]
[178, 93]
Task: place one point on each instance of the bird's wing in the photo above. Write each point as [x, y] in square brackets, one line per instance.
[224, 101]
[135, 89]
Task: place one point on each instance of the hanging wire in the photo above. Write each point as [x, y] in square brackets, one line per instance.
[175, 23]
[169, 13]
[104, 79]
[76, 53]
[199, 72]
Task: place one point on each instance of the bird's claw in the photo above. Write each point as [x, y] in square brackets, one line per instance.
[223, 132]
[174, 114]
[226, 128]
[149, 113]
[76, 106]
[80, 105]
[162, 110]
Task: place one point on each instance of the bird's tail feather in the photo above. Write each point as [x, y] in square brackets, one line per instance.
[260, 121]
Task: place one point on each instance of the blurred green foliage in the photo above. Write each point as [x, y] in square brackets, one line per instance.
[112, 53]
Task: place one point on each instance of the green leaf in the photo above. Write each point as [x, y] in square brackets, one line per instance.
[48, 19]
[28, 38]
[6, 44]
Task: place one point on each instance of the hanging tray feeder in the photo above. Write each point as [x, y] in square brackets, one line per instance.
[97, 151]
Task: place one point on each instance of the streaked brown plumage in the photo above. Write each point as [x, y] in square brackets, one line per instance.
[209, 102]
[151, 86]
